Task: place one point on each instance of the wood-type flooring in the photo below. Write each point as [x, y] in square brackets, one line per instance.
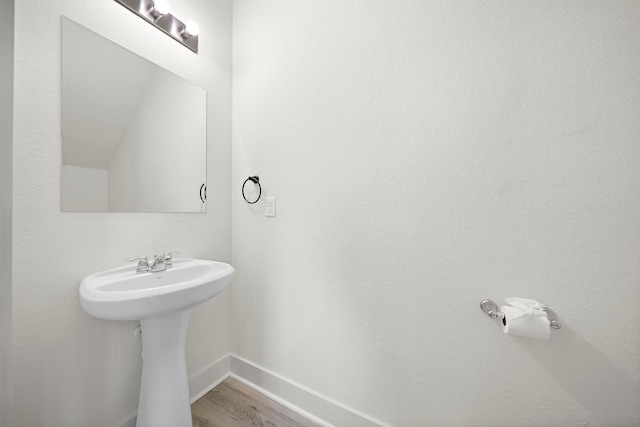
[233, 404]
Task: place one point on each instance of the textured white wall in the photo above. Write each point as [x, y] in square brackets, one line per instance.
[427, 155]
[69, 368]
[6, 126]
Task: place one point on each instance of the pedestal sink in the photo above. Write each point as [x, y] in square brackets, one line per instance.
[162, 302]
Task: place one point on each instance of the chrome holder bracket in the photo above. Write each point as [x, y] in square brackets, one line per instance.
[553, 318]
[490, 308]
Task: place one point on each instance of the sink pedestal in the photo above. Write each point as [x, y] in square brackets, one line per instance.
[164, 391]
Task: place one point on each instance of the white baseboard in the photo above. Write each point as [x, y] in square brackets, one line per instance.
[306, 402]
[207, 379]
[318, 408]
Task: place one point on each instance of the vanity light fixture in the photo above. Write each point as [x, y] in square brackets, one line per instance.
[157, 13]
[159, 8]
[190, 29]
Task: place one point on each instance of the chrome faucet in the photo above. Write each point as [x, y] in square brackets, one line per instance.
[159, 263]
[162, 262]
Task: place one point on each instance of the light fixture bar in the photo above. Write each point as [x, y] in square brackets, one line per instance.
[168, 23]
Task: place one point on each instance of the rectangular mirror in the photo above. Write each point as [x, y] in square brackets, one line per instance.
[133, 134]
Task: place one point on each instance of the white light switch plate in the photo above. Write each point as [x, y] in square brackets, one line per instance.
[271, 206]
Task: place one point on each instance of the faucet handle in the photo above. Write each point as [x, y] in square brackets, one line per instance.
[167, 257]
[143, 262]
[142, 258]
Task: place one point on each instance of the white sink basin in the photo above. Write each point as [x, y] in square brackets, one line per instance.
[162, 302]
[121, 294]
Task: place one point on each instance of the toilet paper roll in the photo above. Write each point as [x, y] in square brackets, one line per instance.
[534, 326]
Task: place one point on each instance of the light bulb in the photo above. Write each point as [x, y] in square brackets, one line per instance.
[191, 29]
[160, 7]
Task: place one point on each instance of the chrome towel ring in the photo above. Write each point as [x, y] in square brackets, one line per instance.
[256, 181]
[203, 194]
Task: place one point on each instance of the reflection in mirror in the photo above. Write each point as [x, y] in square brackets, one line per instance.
[133, 134]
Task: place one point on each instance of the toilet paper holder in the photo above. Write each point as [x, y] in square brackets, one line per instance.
[490, 308]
